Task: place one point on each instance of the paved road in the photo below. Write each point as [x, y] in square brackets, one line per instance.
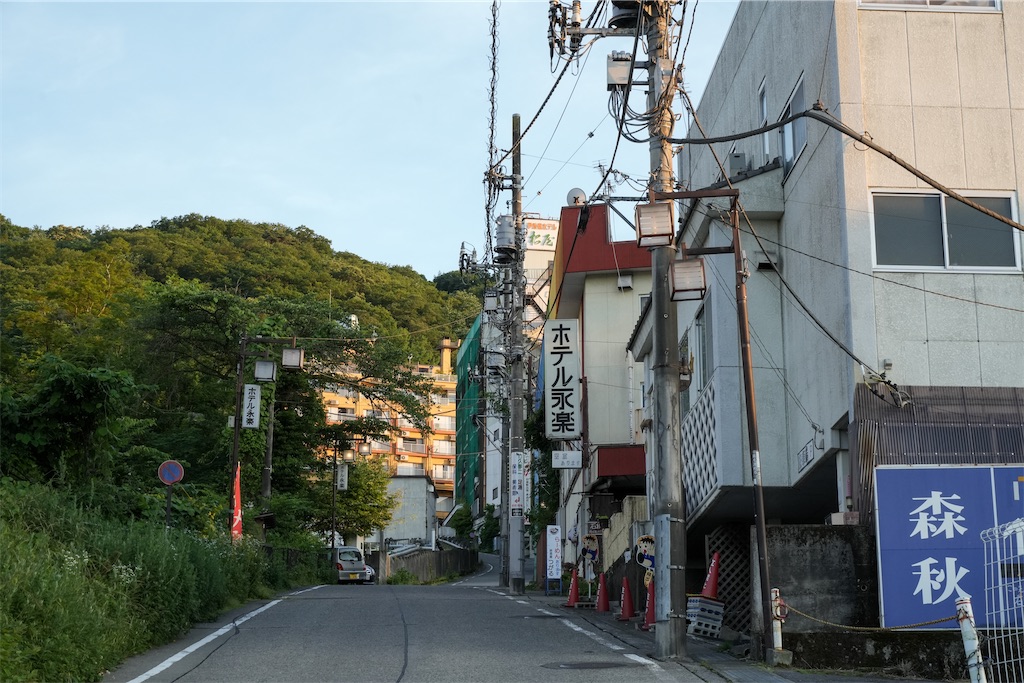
[468, 631]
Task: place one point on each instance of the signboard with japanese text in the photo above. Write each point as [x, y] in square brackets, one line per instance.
[251, 407]
[566, 460]
[516, 478]
[540, 234]
[554, 556]
[929, 521]
[562, 380]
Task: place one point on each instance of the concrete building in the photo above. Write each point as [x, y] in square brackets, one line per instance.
[411, 452]
[603, 284]
[887, 318]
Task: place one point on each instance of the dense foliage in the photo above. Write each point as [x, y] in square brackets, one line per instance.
[120, 349]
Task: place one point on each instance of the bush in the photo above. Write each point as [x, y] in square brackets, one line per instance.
[403, 577]
[82, 593]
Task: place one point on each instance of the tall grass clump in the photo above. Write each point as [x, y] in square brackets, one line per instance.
[82, 593]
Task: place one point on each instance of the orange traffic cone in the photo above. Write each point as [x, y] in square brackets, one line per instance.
[649, 610]
[574, 591]
[626, 611]
[602, 595]
[710, 589]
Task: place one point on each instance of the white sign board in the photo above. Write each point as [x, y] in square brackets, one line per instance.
[251, 407]
[566, 460]
[554, 545]
[540, 234]
[562, 380]
[517, 476]
[341, 478]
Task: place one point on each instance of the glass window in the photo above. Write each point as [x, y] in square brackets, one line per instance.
[794, 134]
[935, 231]
[762, 113]
[931, 4]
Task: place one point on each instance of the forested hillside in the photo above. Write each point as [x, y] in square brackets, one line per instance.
[119, 350]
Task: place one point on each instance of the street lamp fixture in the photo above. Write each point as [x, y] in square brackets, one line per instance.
[655, 224]
[348, 455]
[293, 359]
[364, 449]
[686, 280]
[266, 371]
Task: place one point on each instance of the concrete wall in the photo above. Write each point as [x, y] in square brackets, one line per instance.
[427, 565]
[608, 318]
[617, 538]
[827, 572]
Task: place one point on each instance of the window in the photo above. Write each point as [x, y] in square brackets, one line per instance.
[762, 117]
[933, 231]
[794, 134]
[931, 4]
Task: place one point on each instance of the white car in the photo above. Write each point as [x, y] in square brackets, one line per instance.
[351, 567]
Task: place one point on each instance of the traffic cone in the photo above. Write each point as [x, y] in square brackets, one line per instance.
[710, 589]
[649, 610]
[626, 611]
[602, 595]
[574, 591]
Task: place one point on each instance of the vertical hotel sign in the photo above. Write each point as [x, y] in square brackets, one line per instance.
[562, 379]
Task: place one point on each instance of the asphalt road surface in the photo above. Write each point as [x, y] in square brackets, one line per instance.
[469, 630]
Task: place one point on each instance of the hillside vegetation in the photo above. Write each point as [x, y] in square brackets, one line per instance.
[119, 350]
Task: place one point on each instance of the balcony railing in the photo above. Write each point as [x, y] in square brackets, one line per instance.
[443, 473]
[446, 424]
[412, 448]
[443, 447]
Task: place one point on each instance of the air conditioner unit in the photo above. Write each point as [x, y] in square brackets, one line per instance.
[402, 457]
[332, 403]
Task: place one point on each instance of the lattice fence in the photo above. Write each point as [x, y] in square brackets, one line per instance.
[1004, 602]
[700, 452]
[732, 543]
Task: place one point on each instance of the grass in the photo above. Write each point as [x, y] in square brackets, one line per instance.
[82, 593]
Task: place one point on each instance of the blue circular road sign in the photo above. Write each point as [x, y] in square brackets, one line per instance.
[171, 471]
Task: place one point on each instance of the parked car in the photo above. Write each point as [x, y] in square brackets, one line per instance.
[351, 567]
[371, 575]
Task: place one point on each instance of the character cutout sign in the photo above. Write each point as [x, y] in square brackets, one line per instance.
[644, 554]
[590, 549]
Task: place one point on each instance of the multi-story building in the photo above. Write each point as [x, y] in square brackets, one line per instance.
[886, 317]
[411, 452]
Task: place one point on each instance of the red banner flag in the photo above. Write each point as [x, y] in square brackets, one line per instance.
[236, 518]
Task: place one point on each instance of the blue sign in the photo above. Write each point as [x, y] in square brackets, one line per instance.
[170, 472]
[929, 521]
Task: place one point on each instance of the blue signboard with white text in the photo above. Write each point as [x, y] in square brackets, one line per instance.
[929, 521]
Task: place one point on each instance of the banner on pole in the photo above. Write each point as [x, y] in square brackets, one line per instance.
[554, 557]
[562, 380]
[251, 407]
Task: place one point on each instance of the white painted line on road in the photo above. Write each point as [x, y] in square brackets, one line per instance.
[177, 657]
[522, 602]
[659, 673]
[544, 611]
[592, 635]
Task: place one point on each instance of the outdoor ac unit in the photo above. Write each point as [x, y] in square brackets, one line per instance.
[403, 457]
[332, 403]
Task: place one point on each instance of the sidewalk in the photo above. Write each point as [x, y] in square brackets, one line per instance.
[710, 660]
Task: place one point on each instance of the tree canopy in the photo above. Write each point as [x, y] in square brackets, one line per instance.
[120, 349]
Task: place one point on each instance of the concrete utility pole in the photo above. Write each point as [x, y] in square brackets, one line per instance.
[517, 442]
[669, 502]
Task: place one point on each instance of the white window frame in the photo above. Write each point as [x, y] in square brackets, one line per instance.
[790, 163]
[929, 6]
[762, 115]
[946, 268]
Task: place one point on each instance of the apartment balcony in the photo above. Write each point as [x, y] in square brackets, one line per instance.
[444, 424]
[416, 448]
[443, 448]
[338, 418]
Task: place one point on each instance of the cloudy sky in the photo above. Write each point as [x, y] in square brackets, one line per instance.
[367, 122]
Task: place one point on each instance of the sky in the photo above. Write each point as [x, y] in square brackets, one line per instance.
[366, 122]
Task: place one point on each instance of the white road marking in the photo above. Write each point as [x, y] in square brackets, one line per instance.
[177, 657]
[655, 668]
[593, 636]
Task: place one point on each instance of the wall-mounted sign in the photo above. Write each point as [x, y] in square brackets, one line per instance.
[929, 522]
[562, 379]
[565, 460]
[540, 234]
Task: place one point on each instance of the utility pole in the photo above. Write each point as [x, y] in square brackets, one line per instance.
[517, 446]
[669, 503]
